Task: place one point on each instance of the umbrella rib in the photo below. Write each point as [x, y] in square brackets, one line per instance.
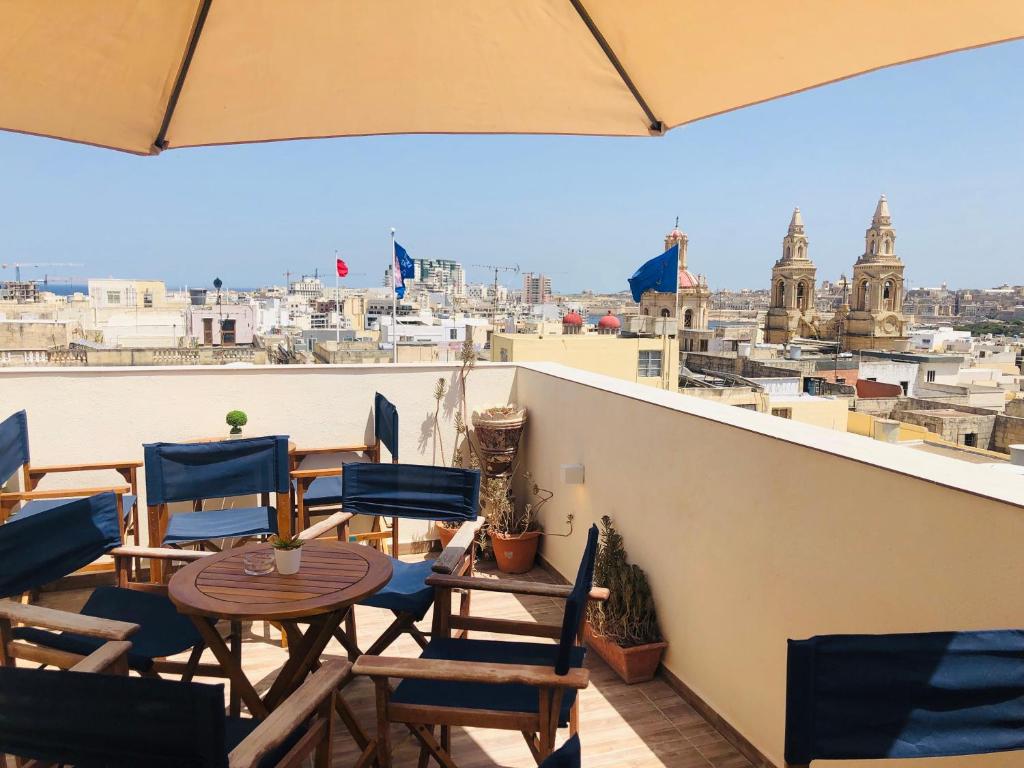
[160, 143]
[656, 126]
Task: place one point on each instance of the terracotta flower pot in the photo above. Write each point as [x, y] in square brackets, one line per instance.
[445, 534]
[515, 554]
[634, 665]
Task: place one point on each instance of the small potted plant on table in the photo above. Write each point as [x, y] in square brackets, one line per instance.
[623, 630]
[236, 420]
[287, 554]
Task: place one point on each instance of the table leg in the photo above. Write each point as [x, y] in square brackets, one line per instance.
[302, 656]
[235, 702]
[231, 667]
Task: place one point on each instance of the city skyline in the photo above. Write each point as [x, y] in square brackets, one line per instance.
[938, 137]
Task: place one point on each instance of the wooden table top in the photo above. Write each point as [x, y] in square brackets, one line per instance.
[333, 575]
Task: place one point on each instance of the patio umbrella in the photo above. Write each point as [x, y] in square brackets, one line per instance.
[143, 75]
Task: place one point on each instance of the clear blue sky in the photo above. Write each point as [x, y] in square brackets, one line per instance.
[944, 139]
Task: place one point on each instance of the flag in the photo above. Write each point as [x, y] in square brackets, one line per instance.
[403, 270]
[342, 268]
[659, 274]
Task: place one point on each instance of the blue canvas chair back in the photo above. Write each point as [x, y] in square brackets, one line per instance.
[13, 445]
[385, 424]
[78, 718]
[566, 756]
[47, 546]
[576, 604]
[411, 491]
[191, 471]
[935, 694]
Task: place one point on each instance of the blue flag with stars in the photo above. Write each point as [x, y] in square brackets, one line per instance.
[403, 270]
[659, 274]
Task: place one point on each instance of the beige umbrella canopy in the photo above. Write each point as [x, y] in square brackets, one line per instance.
[139, 75]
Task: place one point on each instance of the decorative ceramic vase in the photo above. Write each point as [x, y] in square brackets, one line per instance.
[444, 534]
[498, 435]
[288, 560]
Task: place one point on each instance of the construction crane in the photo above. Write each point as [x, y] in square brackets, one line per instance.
[18, 265]
[494, 297]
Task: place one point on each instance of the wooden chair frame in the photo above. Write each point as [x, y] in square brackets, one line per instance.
[538, 728]
[66, 621]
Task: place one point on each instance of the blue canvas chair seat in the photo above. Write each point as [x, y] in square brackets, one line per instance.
[188, 527]
[116, 721]
[407, 592]
[506, 698]
[42, 505]
[163, 631]
[323, 491]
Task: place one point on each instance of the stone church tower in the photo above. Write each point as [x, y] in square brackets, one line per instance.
[693, 295]
[876, 319]
[792, 311]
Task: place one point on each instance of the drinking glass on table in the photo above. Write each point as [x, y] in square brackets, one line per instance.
[259, 562]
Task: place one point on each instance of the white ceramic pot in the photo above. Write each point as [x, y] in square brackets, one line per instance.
[288, 560]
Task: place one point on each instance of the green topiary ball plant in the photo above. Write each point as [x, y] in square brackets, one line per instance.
[236, 420]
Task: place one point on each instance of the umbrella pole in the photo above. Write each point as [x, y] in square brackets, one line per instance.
[394, 300]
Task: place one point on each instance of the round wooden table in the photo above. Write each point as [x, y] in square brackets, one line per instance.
[333, 577]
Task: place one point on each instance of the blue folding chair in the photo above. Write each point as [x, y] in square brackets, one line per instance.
[15, 456]
[91, 718]
[933, 694]
[44, 547]
[513, 685]
[414, 492]
[319, 490]
[197, 472]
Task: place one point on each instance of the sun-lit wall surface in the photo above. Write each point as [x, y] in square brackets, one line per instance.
[756, 529]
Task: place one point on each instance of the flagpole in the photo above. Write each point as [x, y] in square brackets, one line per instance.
[394, 299]
[337, 304]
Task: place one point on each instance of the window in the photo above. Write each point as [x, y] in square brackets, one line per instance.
[929, 376]
[649, 363]
[783, 413]
[504, 355]
[704, 345]
[453, 334]
[664, 313]
[801, 292]
[113, 297]
[147, 299]
[688, 319]
[780, 293]
[905, 385]
[971, 439]
[227, 333]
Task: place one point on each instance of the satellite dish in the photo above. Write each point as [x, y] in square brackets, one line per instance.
[217, 283]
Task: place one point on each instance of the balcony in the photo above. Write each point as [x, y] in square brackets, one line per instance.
[752, 529]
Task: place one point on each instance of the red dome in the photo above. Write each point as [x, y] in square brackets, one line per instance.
[573, 318]
[609, 321]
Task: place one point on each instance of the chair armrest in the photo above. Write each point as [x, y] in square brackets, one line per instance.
[469, 672]
[336, 520]
[302, 452]
[510, 586]
[290, 714]
[302, 474]
[458, 547]
[159, 553]
[35, 470]
[64, 493]
[104, 657]
[48, 618]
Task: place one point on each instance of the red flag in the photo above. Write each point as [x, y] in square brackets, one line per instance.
[342, 268]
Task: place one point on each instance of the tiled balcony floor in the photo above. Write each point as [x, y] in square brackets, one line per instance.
[646, 725]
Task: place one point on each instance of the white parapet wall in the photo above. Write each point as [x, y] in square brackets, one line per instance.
[92, 414]
[756, 529]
